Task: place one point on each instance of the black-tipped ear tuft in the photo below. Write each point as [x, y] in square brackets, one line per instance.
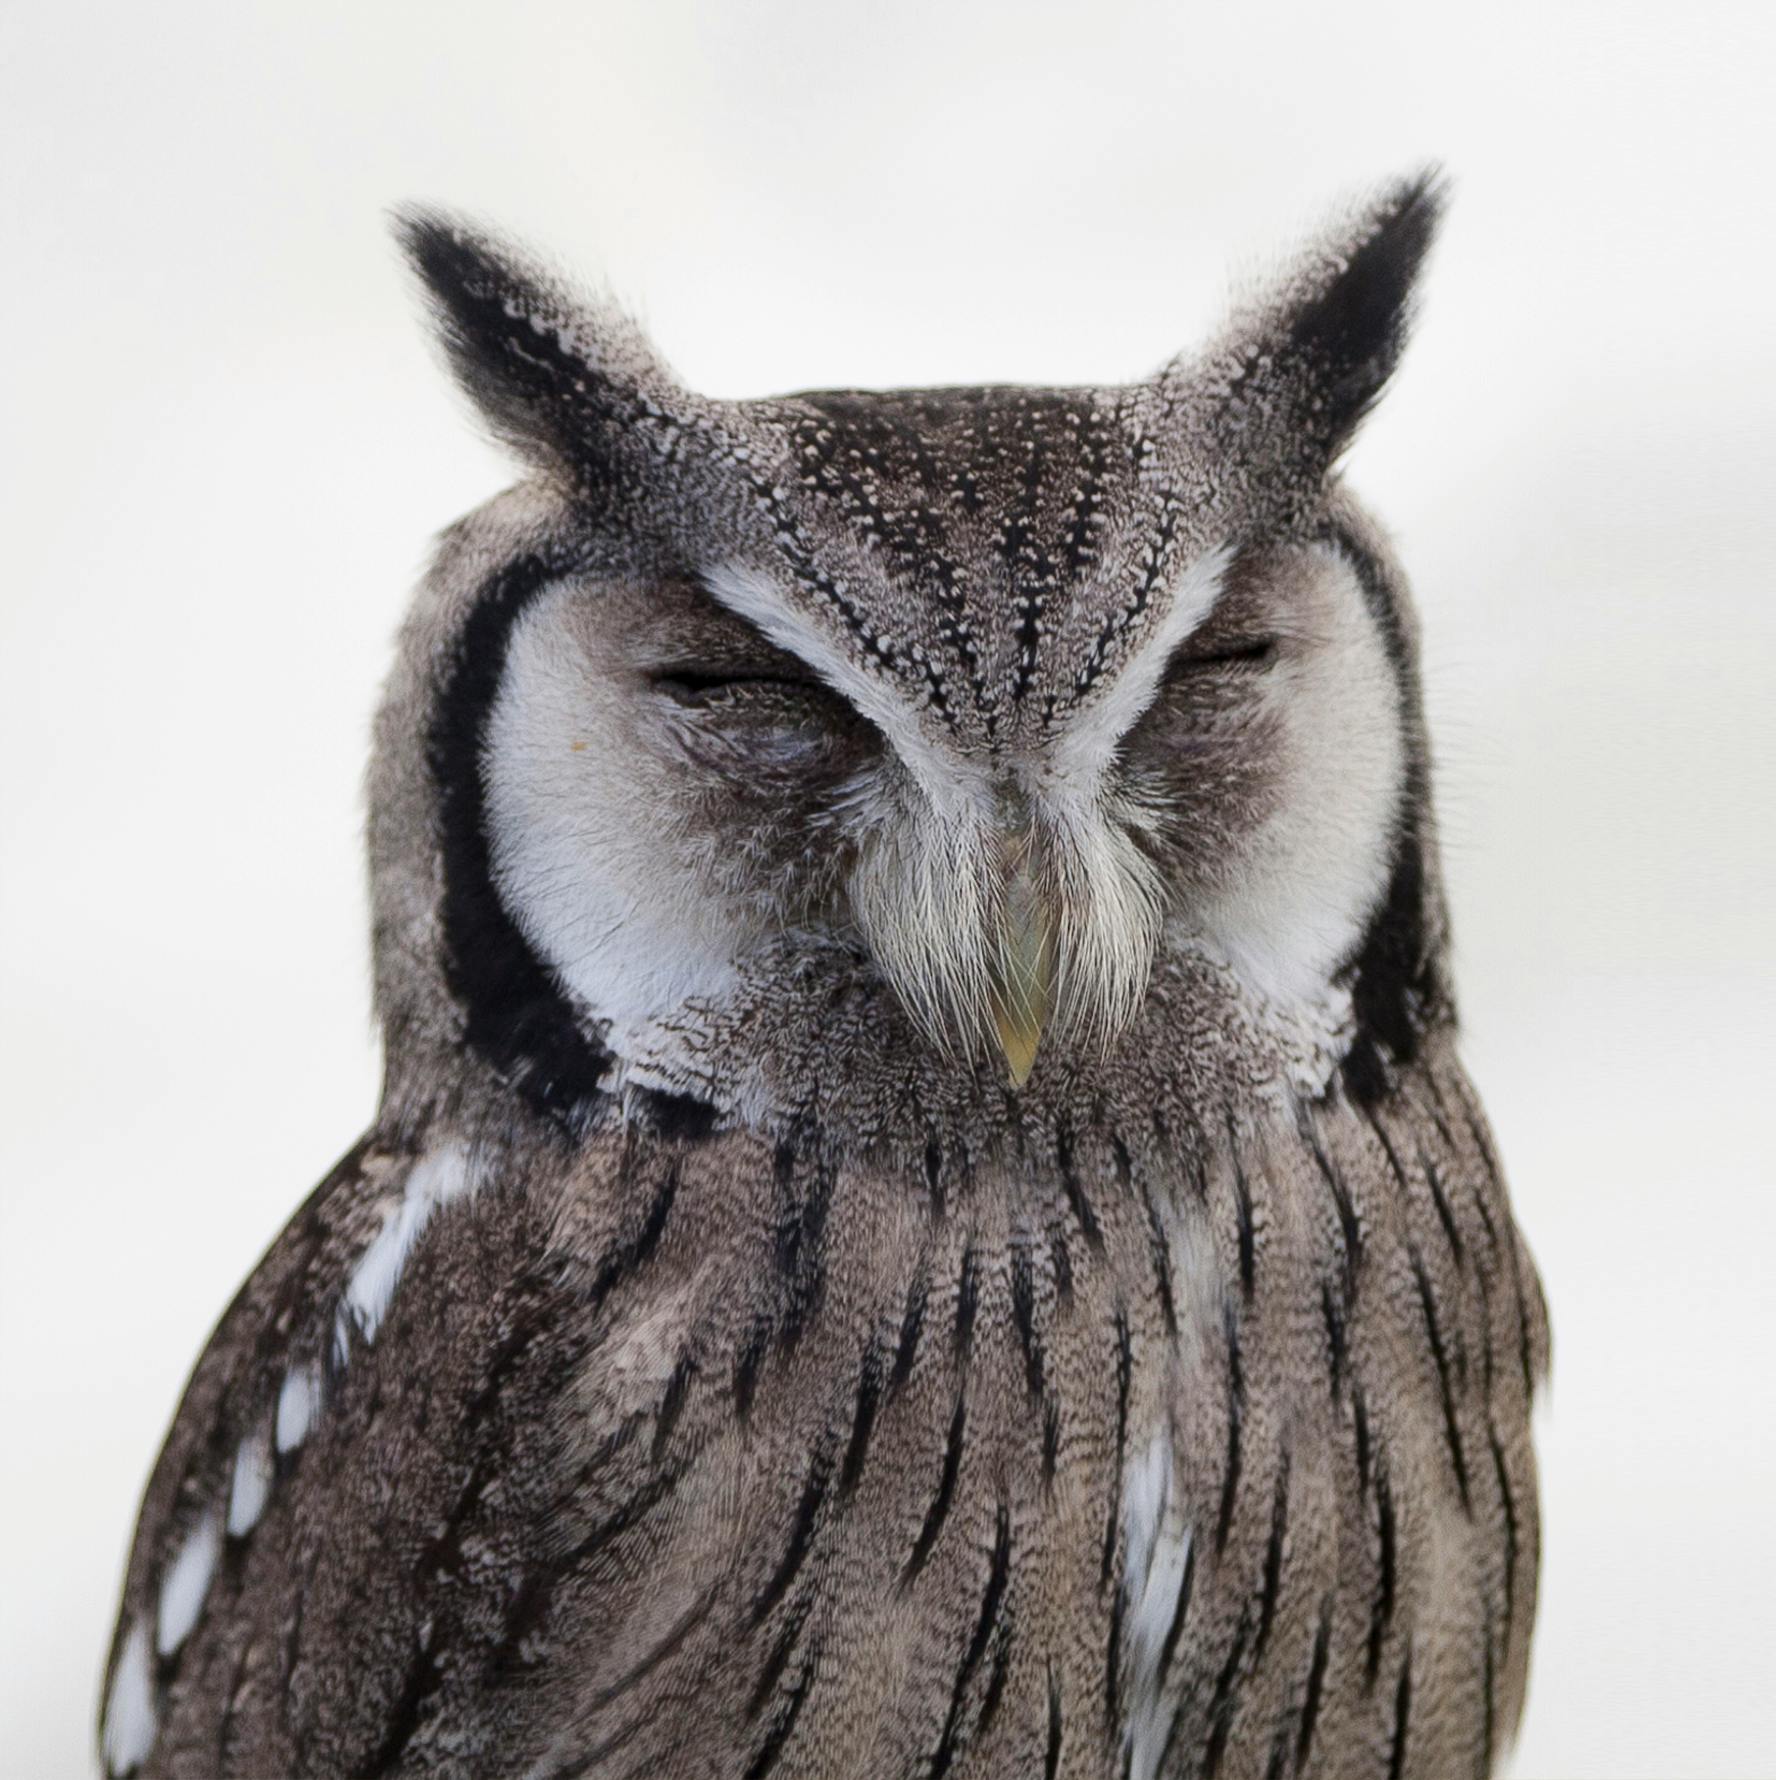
[1301, 363]
[1348, 334]
[565, 382]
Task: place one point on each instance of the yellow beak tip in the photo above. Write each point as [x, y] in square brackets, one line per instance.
[1018, 1043]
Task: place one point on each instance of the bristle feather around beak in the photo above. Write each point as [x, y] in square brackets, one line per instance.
[1010, 930]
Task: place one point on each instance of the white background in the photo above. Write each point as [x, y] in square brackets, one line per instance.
[225, 447]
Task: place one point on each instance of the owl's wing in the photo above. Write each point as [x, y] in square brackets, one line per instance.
[381, 1463]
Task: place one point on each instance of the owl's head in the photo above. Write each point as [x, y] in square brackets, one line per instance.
[950, 728]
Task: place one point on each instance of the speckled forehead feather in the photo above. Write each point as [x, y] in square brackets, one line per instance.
[1029, 532]
[995, 553]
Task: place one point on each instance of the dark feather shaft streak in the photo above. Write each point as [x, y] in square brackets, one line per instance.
[992, 1605]
[939, 1510]
[1316, 1682]
[1124, 1377]
[1440, 1358]
[801, 1540]
[1236, 1411]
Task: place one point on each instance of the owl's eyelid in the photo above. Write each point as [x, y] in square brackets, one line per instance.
[781, 693]
[1251, 651]
[701, 679]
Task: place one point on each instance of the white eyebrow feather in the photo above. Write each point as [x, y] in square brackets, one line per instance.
[952, 784]
[1086, 746]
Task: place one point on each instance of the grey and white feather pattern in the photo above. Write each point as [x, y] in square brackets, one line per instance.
[925, 1218]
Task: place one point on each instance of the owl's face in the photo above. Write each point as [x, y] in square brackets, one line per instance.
[990, 698]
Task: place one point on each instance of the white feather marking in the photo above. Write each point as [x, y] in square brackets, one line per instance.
[1088, 743]
[438, 1177]
[130, 1718]
[1146, 1493]
[251, 1483]
[441, 1175]
[185, 1584]
[298, 1403]
[951, 785]
[1157, 1544]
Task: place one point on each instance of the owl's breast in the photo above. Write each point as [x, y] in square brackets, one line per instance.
[1116, 1457]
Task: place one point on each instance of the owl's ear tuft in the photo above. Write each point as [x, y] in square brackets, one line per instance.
[1303, 364]
[1346, 332]
[570, 384]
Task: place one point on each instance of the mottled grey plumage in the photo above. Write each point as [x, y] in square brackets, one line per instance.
[719, 1359]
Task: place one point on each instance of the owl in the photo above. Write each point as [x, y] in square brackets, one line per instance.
[925, 1220]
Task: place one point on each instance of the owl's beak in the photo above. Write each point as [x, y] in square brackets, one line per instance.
[1024, 971]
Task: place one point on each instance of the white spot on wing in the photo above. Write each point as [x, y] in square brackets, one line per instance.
[130, 1719]
[185, 1584]
[437, 1178]
[251, 1483]
[298, 1403]
[373, 1280]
